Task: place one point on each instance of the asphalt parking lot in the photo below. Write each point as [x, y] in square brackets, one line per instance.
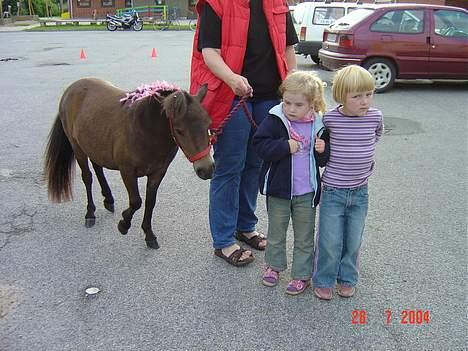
[181, 297]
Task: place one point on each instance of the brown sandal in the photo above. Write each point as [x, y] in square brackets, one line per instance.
[235, 257]
[253, 241]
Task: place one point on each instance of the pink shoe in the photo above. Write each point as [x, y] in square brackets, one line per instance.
[296, 286]
[346, 291]
[323, 293]
[270, 277]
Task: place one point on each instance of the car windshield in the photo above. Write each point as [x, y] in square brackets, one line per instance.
[351, 18]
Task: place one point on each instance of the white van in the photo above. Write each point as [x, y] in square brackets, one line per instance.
[313, 17]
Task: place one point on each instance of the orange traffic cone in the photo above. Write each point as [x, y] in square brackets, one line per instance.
[82, 55]
[153, 53]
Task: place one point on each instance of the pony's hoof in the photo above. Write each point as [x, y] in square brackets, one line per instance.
[89, 222]
[123, 229]
[109, 206]
[152, 244]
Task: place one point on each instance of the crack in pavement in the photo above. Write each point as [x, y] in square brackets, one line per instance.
[8, 175]
[19, 223]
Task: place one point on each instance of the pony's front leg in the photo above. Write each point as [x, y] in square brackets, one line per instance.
[131, 183]
[150, 201]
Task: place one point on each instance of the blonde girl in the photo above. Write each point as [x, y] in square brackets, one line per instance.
[355, 128]
[292, 143]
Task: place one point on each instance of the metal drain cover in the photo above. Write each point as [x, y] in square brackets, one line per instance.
[401, 126]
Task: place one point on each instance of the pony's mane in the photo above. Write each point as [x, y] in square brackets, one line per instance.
[152, 89]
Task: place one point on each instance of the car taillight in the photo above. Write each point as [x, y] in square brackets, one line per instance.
[325, 36]
[302, 36]
[346, 41]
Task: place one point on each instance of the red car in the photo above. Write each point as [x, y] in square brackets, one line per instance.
[404, 41]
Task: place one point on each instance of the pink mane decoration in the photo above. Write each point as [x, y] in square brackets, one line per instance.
[153, 89]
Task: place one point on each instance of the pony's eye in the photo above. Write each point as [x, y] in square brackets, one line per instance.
[179, 132]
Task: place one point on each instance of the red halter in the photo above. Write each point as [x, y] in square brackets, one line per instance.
[213, 133]
[198, 155]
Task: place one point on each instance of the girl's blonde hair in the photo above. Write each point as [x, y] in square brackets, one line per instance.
[349, 79]
[307, 84]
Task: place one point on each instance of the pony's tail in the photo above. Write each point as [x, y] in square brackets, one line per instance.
[59, 164]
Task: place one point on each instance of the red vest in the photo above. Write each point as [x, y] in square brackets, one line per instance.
[235, 16]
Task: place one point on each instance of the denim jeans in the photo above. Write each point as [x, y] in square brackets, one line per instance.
[342, 216]
[302, 212]
[234, 186]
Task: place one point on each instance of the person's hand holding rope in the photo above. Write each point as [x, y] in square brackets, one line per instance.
[240, 85]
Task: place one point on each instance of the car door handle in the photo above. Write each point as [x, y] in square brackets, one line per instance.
[429, 42]
[386, 38]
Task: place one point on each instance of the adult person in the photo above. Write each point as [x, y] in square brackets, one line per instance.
[241, 48]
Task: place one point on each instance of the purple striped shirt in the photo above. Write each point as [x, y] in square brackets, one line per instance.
[352, 147]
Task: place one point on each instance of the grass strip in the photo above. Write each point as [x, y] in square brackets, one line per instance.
[66, 27]
[95, 27]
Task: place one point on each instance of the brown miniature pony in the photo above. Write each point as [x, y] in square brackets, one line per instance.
[136, 133]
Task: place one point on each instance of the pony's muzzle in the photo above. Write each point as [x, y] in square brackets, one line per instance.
[204, 167]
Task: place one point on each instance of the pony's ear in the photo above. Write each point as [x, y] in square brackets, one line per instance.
[175, 104]
[202, 92]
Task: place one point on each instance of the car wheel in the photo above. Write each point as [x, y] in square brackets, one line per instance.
[315, 59]
[383, 71]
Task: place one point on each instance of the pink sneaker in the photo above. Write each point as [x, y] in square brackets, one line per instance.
[323, 293]
[346, 291]
[296, 286]
[270, 277]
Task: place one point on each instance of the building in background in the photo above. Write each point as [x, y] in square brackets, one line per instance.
[457, 3]
[99, 8]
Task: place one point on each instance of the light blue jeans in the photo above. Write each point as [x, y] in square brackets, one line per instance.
[302, 212]
[342, 216]
[234, 186]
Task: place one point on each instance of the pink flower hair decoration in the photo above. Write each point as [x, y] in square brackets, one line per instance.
[153, 89]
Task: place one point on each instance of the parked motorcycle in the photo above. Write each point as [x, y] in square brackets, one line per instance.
[128, 21]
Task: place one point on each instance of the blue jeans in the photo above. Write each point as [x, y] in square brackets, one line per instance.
[342, 216]
[302, 212]
[234, 186]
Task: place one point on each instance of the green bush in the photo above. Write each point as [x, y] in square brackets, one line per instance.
[39, 7]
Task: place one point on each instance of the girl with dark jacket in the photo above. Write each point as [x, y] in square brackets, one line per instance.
[293, 143]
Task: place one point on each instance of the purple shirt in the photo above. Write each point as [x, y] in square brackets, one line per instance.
[301, 160]
[352, 147]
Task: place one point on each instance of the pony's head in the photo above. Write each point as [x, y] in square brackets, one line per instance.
[190, 124]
